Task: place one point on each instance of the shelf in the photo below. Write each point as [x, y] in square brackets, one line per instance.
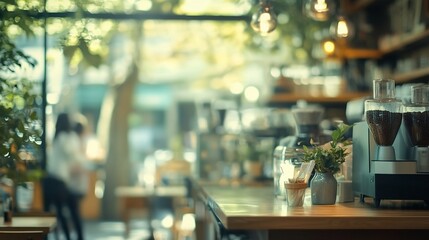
[355, 6]
[353, 53]
[402, 45]
[406, 42]
[412, 75]
[343, 51]
[343, 98]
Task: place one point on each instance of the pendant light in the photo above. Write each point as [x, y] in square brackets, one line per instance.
[342, 28]
[328, 46]
[319, 10]
[264, 20]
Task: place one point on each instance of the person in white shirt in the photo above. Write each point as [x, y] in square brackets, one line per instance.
[66, 183]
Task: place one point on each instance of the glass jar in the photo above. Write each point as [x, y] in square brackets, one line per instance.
[286, 162]
[416, 121]
[384, 117]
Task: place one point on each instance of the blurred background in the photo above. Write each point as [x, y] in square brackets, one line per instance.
[201, 78]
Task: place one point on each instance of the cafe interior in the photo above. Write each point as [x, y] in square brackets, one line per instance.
[198, 112]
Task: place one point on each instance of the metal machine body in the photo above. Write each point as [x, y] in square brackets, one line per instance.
[395, 179]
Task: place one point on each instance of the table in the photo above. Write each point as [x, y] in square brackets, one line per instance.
[140, 191]
[257, 211]
[28, 227]
[133, 198]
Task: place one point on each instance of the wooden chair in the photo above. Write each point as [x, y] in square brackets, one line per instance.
[172, 172]
[176, 172]
[132, 203]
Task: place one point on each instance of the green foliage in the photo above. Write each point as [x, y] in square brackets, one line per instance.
[11, 58]
[12, 15]
[329, 157]
[20, 129]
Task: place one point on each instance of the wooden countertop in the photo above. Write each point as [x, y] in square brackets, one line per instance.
[30, 223]
[255, 208]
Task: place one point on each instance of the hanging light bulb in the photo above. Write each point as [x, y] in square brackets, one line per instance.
[319, 10]
[264, 20]
[342, 28]
[328, 46]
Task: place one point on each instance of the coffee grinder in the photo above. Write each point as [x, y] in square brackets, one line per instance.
[384, 116]
[308, 131]
[378, 170]
[416, 121]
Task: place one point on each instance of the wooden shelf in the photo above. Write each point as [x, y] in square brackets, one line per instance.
[355, 6]
[354, 53]
[412, 75]
[343, 51]
[293, 97]
[406, 42]
[392, 48]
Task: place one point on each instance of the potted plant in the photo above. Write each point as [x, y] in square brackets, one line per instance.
[328, 159]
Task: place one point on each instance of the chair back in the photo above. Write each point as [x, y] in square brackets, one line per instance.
[173, 172]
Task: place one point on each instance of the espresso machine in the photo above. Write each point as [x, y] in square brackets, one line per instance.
[383, 163]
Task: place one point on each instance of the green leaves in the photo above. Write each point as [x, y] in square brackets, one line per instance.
[11, 58]
[338, 134]
[329, 157]
[20, 129]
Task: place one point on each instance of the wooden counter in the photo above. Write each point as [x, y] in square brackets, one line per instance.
[255, 209]
[28, 227]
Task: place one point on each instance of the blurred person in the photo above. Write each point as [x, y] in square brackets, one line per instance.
[81, 129]
[65, 184]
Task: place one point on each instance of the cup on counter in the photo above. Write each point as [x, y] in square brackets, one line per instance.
[286, 164]
[345, 191]
[295, 194]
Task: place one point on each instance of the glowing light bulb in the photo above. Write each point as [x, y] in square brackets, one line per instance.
[329, 47]
[319, 10]
[342, 28]
[321, 6]
[251, 94]
[264, 20]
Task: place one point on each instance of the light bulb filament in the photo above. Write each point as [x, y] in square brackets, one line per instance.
[321, 6]
[265, 20]
[342, 30]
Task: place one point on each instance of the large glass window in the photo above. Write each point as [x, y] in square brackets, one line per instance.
[151, 64]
